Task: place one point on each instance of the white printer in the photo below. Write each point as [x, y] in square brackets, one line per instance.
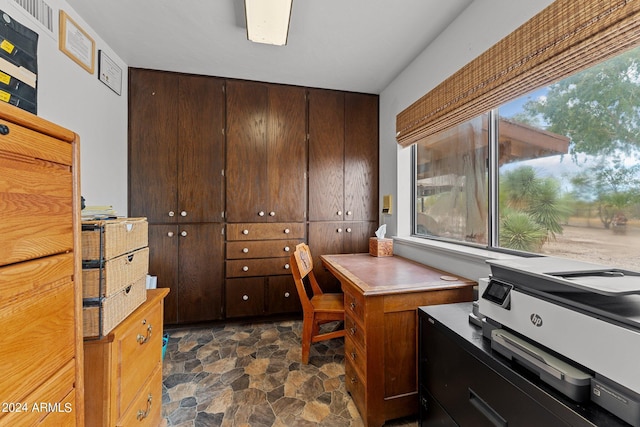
[576, 324]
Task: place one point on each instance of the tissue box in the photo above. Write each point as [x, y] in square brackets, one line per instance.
[380, 247]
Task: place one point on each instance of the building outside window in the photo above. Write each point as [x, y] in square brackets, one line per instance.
[555, 172]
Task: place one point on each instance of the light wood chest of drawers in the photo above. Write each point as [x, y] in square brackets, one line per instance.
[41, 379]
[123, 371]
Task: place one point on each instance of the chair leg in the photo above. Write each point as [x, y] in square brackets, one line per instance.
[307, 331]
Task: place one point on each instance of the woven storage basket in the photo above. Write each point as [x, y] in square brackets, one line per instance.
[114, 309]
[116, 273]
[119, 236]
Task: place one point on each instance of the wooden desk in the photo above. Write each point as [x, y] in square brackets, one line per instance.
[381, 297]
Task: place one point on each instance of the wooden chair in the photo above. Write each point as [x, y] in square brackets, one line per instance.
[321, 308]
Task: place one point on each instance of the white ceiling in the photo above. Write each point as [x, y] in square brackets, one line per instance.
[354, 45]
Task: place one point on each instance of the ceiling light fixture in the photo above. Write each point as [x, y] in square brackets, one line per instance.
[268, 20]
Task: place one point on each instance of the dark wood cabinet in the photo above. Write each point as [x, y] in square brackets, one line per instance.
[188, 258]
[176, 147]
[266, 152]
[343, 156]
[176, 180]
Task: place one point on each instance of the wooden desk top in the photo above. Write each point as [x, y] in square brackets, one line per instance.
[390, 275]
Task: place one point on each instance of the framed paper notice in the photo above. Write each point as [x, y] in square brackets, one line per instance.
[109, 73]
[76, 43]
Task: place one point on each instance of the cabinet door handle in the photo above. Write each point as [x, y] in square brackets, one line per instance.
[261, 213]
[349, 230]
[339, 230]
[272, 213]
[183, 234]
[245, 297]
[339, 213]
[486, 410]
[143, 339]
[172, 213]
[183, 213]
[349, 212]
[170, 234]
[144, 414]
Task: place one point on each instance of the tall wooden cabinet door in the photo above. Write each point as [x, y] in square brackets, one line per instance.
[356, 236]
[201, 115]
[163, 263]
[246, 170]
[286, 154]
[153, 135]
[361, 157]
[201, 272]
[326, 238]
[326, 155]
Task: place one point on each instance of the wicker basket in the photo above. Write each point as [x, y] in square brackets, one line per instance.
[116, 273]
[113, 309]
[107, 239]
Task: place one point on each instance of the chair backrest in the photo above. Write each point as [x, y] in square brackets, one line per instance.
[301, 267]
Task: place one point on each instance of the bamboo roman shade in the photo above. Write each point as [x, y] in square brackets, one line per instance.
[564, 38]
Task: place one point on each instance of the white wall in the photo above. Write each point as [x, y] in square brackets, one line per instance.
[71, 97]
[480, 26]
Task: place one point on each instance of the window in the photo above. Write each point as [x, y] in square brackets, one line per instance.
[566, 161]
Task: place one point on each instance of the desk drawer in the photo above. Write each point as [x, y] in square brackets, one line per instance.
[265, 231]
[258, 267]
[354, 331]
[354, 305]
[261, 249]
[356, 386]
[356, 356]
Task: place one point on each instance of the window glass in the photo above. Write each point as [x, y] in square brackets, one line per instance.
[451, 183]
[569, 166]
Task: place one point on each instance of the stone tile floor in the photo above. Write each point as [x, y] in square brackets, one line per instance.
[249, 374]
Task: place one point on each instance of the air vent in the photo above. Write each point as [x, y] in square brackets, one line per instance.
[39, 10]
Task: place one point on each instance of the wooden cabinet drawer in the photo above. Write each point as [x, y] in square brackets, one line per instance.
[354, 331]
[139, 350]
[261, 249]
[354, 305]
[244, 297]
[356, 386]
[37, 323]
[37, 216]
[258, 267]
[145, 410]
[265, 231]
[356, 356]
[56, 398]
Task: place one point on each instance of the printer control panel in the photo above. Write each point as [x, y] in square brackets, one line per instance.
[498, 293]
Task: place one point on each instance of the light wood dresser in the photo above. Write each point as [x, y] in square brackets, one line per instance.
[40, 273]
[123, 370]
[381, 297]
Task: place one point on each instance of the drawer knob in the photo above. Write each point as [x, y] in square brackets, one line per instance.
[352, 305]
[183, 234]
[353, 355]
[245, 268]
[287, 294]
[261, 213]
[245, 231]
[245, 297]
[339, 230]
[339, 213]
[144, 414]
[245, 250]
[354, 380]
[349, 212]
[172, 213]
[349, 230]
[272, 213]
[287, 231]
[143, 339]
[183, 213]
[287, 249]
[353, 331]
[286, 266]
[4, 130]
[170, 234]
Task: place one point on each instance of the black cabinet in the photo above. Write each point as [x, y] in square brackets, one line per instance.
[462, 382]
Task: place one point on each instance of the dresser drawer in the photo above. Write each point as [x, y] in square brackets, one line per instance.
[139, 350]
[261, 249]
[36, 219]
[258, 267]
[37, 323]
[354, 331]
[354, 305]
[265, 231]
[356, 356]
[145, 410]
